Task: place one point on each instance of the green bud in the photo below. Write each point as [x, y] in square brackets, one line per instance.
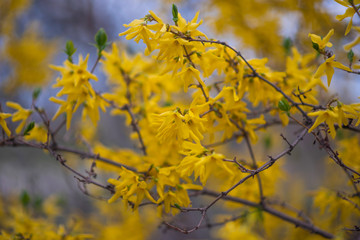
[316, 46]
[101, 40]
[284, 105]
[69, 49]
[175, 13]
[28, 128]
[36, 93]
[177, 206]
[101, 37]
[350, 56]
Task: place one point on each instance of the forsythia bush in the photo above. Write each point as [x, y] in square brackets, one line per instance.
[198, 108]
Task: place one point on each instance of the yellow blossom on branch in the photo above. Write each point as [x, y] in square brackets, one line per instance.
[322, 42]
[65, 107]
[328, 68]
[140, 30]
[76, 86]
[188, 75]
[130, 188]
[339, 114]
[190, 28]
[3, 116]
[20, 115]
[202, 163]
[175, 126]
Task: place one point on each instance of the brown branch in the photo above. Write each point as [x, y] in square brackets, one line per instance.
[333, 155]
[85, 179]
[240, 166]
[222, 195]
[342, 196]
[133, 123]
[20, 143]
[287, 218]
[299, 213]
[14, 143]
[199, 84]
[135, 127]
[237, 135]
[354, 7]
[96, 63]
[252, 155]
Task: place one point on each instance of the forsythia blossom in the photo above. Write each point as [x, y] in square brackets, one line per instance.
[21, 115]
[338, 114]
[328, 67]
[3, 116]
[322, 42]
[76, 86]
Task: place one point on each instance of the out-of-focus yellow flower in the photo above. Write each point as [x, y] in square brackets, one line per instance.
[236, 230]
[28, 57]
[21, 115]
[355, 42]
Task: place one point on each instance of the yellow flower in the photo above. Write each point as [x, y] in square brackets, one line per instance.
[188, 75]
[201, 164]
[173, 126]
[139, 29]
[189, 29]
[339, 114]
[3, 123]
[328, 67]
[21, 115]
[65, 107]
[75, 84]
[171, 47]
[322, 42]
[73, 74]
[328, 116]
[128, 186]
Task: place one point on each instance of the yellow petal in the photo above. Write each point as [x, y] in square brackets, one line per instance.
[329, 72]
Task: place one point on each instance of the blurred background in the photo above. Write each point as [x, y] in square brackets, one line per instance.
[33, 35]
